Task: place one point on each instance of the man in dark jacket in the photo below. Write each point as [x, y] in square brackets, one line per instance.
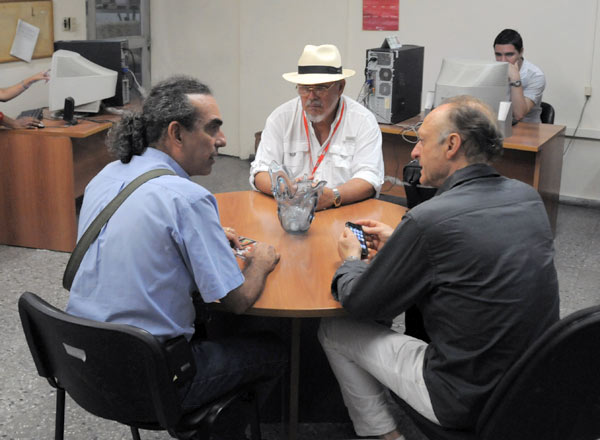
[477, 261]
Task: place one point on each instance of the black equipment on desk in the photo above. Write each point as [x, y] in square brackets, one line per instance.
[69, 111]
[394, 78]
[105, 53]
[415, 192]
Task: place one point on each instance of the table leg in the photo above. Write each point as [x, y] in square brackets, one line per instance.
[294, 379]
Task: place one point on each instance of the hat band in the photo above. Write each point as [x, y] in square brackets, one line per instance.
[303, 70]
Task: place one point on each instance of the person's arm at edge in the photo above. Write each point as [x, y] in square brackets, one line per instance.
[16, 123]
[259, 263]
[15, 90]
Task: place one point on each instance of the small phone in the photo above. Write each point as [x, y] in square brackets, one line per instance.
[358, 232]
[246, 244]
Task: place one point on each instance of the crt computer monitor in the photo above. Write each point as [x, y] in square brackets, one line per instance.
[74, 76]
[486, 80]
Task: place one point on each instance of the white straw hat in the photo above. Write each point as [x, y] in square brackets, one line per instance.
[319, 64]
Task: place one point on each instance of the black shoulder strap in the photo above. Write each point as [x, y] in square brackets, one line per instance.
[91, 233]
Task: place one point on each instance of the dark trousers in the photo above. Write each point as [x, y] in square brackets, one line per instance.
[319, 397]
[226, 363]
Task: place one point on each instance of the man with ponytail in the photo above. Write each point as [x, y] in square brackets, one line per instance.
[164, 247]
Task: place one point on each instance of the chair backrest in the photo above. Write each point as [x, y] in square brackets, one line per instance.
[547, 115]
[553, 391]
[118, 372]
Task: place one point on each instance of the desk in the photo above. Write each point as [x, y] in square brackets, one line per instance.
[533, 154]
[42, 172]
[299, 286]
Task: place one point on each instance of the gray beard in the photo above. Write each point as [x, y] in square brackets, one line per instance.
[316, 119]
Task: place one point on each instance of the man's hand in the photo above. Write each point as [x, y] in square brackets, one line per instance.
[233, 237]
[263, 256]
[376, 233]
[326, 199]
[513, 72]
[26, 122]
[348, 244]
[260, 261]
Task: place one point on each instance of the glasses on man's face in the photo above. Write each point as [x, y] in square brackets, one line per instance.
[318, 90]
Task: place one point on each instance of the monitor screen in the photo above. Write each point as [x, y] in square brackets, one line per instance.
[485, 80]
[74, 76]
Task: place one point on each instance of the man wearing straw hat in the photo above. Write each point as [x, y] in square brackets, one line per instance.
[322, 133]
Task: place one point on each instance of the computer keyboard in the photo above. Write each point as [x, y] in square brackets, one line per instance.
[36, 113]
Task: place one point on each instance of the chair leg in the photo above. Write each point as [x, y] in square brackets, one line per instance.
[59, 426]
[255, 433]
[135, 433]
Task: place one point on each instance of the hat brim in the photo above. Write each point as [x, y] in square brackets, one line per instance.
[317, 78]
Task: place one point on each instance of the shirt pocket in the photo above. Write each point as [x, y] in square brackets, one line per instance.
[295, 155]
[341, 155]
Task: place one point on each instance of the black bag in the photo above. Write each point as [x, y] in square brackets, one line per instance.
[180, 359]
[415, 192]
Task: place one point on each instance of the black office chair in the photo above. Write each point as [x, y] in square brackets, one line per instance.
[547, 115]
[118, 372]
[552, 392]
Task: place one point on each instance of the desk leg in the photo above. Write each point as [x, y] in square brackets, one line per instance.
[294, 379]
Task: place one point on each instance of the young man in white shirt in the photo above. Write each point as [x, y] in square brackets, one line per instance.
[527, 81]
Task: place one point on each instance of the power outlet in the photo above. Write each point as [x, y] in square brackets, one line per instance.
[68, 24]
[587, 91]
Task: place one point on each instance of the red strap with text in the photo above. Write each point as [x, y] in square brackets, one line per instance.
[322, 155]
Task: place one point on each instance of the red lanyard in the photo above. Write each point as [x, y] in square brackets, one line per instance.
[322, 155]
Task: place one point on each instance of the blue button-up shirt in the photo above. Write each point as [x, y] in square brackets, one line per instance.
[164, 242]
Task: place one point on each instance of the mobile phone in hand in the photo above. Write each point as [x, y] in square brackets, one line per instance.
[358, 232]
[246, 244]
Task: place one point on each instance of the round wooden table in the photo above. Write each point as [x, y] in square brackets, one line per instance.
[299, 286]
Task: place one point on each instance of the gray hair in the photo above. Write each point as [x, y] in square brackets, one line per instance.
[475, 123]
[167, 102]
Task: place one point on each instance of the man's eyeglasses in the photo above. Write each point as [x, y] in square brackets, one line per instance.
[318, 90]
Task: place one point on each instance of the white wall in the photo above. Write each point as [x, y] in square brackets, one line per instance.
[241, 48]
[14, 72]
[201, 38]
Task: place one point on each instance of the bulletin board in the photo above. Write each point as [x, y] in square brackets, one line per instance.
[37, 13]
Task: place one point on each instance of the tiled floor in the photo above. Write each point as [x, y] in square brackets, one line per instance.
[27, 402]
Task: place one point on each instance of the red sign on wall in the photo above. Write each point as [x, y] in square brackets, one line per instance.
[380, 15]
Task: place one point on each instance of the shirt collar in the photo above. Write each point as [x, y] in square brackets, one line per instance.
[157, 155]
[338, 110]
[470, 172]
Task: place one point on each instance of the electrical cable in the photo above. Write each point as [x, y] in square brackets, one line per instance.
[587, 98]
[139, 88]
[132, 58]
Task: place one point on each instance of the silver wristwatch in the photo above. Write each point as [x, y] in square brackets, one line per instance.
[337, 198]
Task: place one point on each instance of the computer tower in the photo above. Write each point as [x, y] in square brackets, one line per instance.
[395, 80]
[106, 53]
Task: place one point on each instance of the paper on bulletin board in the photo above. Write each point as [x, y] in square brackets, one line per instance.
[381, 15]
[37, 13]
[25, 40]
